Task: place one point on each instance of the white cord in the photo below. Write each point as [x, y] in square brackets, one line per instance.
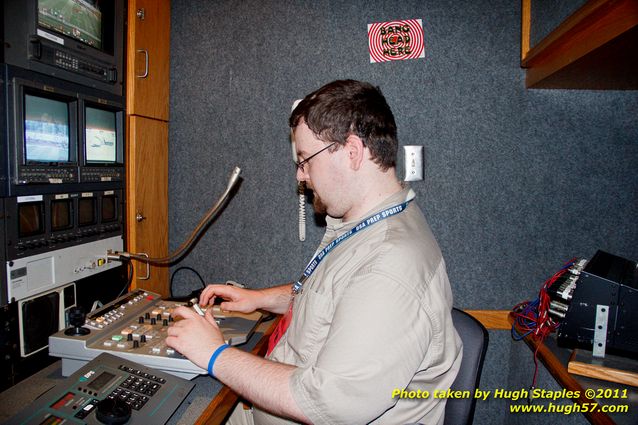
[302, 212]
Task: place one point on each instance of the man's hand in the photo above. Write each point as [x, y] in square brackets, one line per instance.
[275, 299]
[236, 299]
[194, 336]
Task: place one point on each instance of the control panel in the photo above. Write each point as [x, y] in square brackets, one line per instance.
[73, 62]
[101, 174]
[111, 390]
[135, 327]
[58, 175]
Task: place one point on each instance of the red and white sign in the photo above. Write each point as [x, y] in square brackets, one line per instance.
[396, 40]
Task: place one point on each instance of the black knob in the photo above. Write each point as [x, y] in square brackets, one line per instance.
[77, 317]
[153, 321]
[159, 317]
[141, 319]
[143, 338]
[129, 337]
[165, 322]
[136, 344]
[147, 316]
[113, 411]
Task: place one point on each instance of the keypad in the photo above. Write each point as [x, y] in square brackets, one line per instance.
[137, 389]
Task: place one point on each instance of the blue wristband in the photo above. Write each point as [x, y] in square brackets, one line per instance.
[211, 362]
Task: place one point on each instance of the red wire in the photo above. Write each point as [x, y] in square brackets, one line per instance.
[536, 321]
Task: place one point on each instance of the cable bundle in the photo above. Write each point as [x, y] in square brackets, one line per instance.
[531, 318]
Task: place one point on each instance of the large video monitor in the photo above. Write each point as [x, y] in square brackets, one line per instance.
[77, 40]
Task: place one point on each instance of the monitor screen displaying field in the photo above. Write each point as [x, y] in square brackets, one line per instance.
[100, 136]
[46, 129]
[79, 19]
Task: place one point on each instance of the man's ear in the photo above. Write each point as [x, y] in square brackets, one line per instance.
[355, 148]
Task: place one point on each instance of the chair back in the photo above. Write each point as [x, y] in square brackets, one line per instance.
[460, 411]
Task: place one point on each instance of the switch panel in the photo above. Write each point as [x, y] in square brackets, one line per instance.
[413, 159]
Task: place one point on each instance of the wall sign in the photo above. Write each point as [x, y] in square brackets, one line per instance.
[396, 40]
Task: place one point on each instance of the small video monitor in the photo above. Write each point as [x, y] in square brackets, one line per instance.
[30, 221]
[46, 129]
[109, 209]
[61, 214]
[100, 136]
[86, 211]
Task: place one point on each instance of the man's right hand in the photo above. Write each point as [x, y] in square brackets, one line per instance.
[235, 298]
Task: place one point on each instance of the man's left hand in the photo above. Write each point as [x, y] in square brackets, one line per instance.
[194, 336]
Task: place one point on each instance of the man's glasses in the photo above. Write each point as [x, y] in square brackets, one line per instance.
[300, 165]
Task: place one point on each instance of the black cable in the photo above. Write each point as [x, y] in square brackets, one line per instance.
[128, 280]
[170, 288]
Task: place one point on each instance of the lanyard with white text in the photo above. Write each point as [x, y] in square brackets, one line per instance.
[365, 223]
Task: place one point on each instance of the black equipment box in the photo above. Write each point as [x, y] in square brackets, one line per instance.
[611, 281]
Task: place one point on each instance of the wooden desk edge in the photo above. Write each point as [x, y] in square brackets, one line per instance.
[492, 319]
[221, 406]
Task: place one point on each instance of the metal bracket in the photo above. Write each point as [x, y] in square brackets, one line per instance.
[600, 330]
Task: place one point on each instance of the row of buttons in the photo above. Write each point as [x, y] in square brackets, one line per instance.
[106, 319]
[136, 401]
[140, 385]
[54, 240]
[89, 392]
[46, 174]
[113, 313]
[65, 61]
[142, 374]
[98, 173]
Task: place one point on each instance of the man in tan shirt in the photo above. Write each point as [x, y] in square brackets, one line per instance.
[370, 315]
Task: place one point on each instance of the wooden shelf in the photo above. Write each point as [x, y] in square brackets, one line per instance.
[595, 48]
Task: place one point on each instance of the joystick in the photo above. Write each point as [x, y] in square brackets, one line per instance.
[113, 411]
[77, 317]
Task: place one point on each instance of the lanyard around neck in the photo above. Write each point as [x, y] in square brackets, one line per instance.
[364, 224]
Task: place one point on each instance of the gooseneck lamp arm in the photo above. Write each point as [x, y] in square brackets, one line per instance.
[188, 243]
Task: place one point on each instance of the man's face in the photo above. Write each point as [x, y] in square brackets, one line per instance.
[321, 173]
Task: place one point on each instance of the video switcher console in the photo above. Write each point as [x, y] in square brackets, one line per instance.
[134, 327]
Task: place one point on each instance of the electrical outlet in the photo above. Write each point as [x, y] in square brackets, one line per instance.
[413, 160]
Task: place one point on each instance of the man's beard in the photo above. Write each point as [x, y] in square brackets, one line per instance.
[317, 204]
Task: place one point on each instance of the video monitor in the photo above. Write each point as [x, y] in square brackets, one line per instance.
[109, 209]
[78, 19]
[61, 214]
[100, 136]
[86, 211]
[46, 129]
[30, 221]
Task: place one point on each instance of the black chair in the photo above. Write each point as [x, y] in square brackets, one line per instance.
[460, 411]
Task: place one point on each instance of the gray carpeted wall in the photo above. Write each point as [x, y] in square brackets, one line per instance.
[516, 182]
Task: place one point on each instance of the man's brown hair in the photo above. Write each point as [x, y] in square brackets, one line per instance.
[345, 107]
